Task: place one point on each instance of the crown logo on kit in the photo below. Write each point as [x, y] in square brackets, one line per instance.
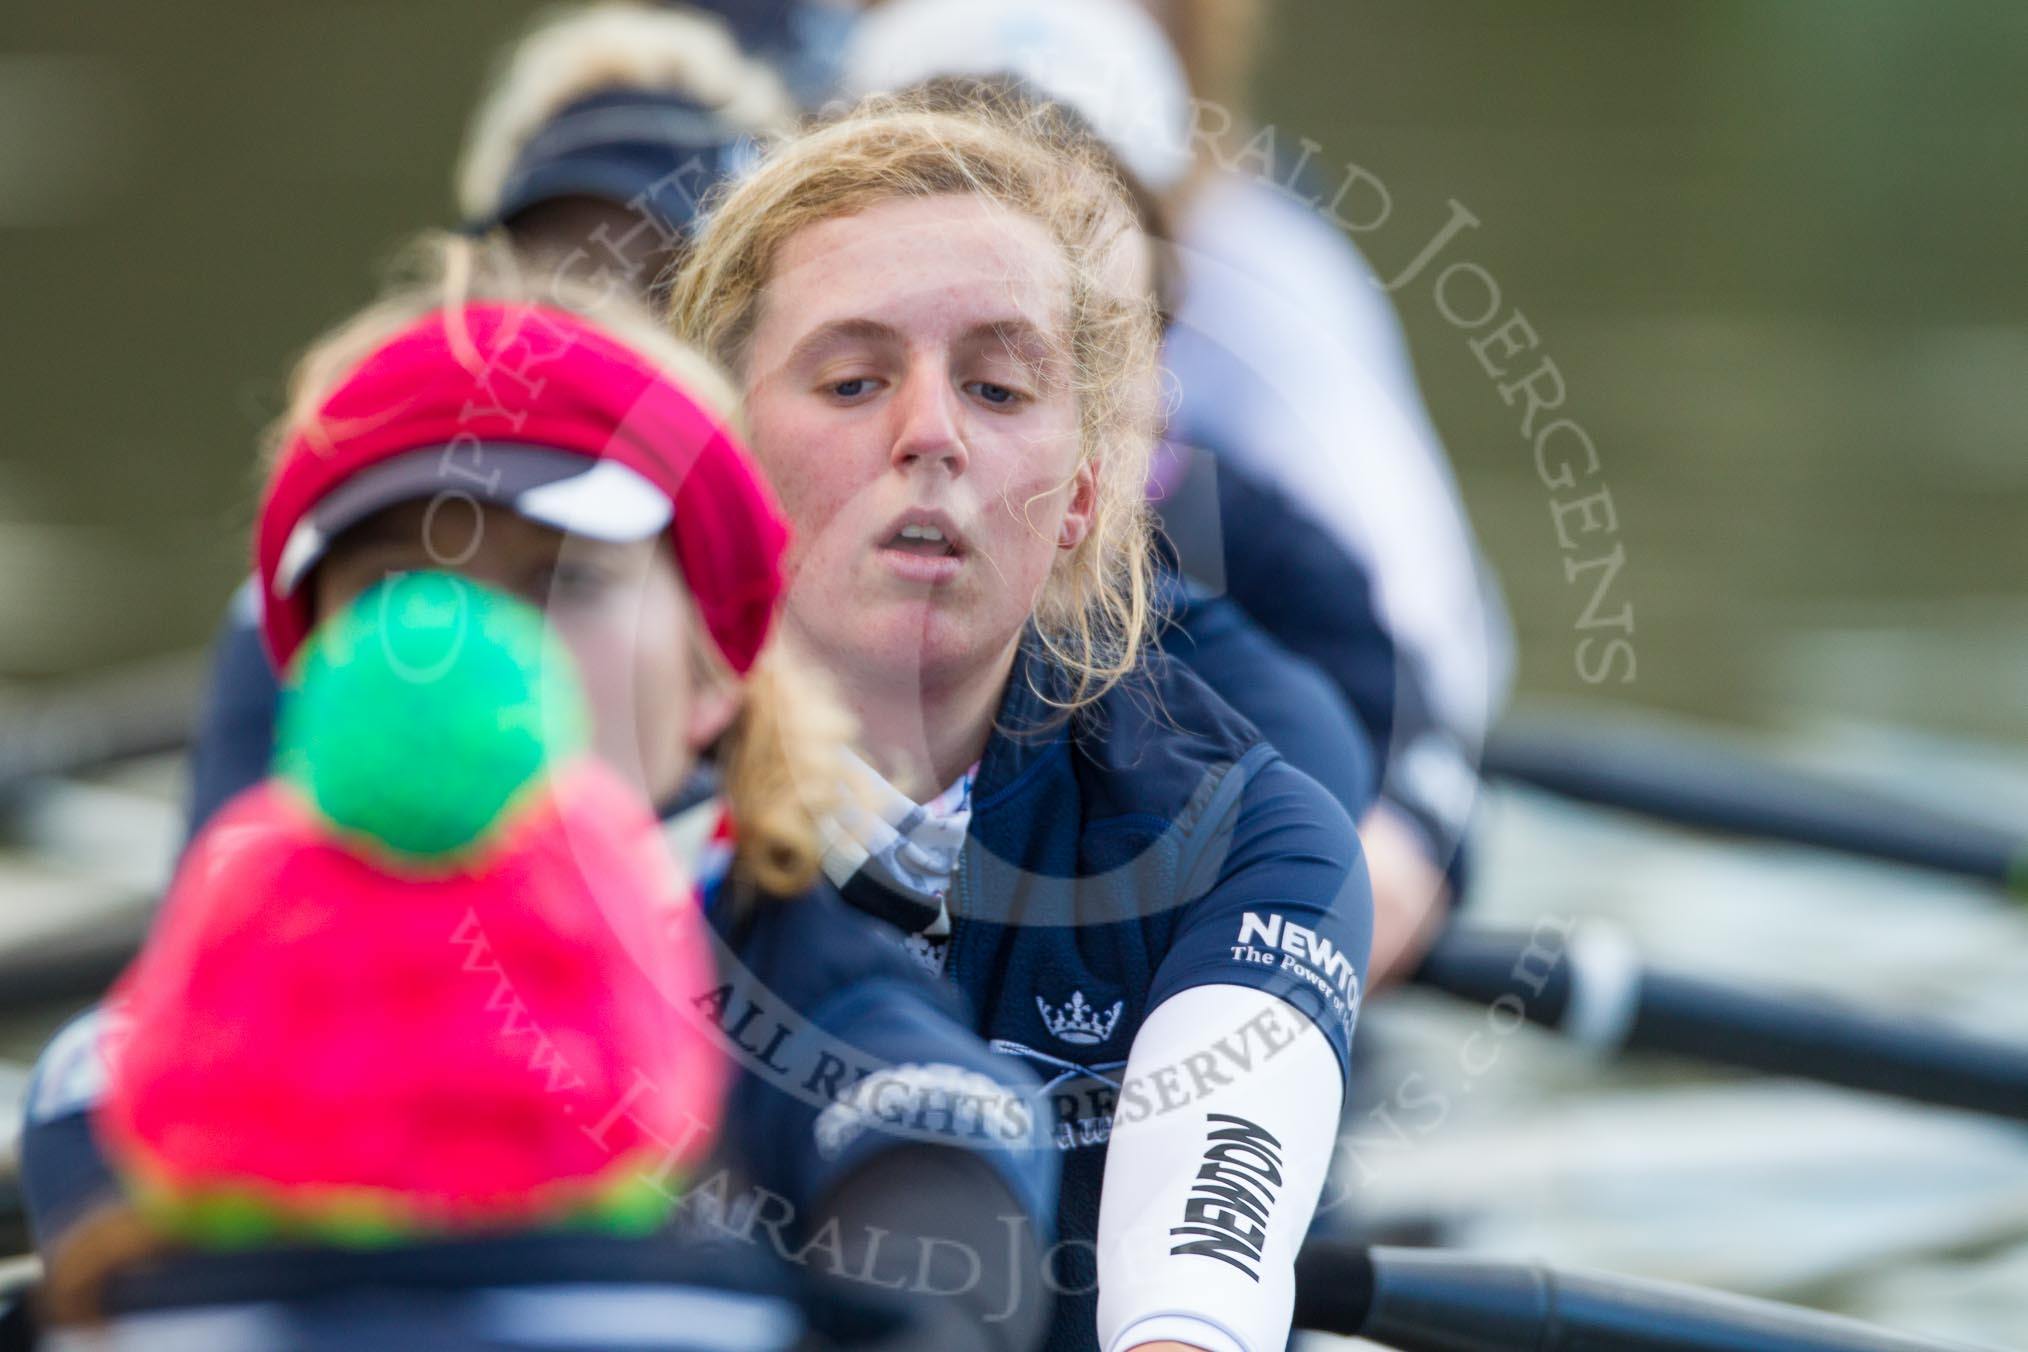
[1079, 1022]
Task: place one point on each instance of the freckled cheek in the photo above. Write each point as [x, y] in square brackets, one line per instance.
[806, 463]
[814, 510]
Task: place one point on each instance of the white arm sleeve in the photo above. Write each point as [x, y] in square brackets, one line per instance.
[1219, 1149]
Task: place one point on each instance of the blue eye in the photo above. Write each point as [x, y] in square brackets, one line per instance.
[995, 394]
[851, 389]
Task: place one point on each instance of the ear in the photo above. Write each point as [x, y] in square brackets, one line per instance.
[713, 706]
[1077, 517]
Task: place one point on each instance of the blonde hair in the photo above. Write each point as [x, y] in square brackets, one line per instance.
[570, 53]
[1094, 614]
[780, 756]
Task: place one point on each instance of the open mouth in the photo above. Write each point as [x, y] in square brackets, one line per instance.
[922, 540]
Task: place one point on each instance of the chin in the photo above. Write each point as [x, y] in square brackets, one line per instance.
[913, 644]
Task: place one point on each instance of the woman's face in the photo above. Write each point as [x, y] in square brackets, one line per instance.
[621, 610]
[907, 394]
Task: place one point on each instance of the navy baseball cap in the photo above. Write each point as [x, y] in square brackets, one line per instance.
[657, 152]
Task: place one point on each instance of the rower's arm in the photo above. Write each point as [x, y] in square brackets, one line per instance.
[1207, 1197]
[1222, 1138]
[1411, 894]
[64, 1174]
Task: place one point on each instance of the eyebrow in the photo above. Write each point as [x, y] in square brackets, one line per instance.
[1039, 354]
[1019, 336]
[840, 330]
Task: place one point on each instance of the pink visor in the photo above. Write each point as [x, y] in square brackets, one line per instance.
[535, 409]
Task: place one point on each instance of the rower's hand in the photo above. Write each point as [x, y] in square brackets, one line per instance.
[1411, 897]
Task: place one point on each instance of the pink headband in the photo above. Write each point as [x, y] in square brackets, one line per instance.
[546, 389]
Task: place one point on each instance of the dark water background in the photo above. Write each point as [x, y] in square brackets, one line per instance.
[1775, 249]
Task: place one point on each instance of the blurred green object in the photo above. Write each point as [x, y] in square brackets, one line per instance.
[420, 712]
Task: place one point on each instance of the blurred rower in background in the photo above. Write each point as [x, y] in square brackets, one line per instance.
[326, 1129]
[590, 152]
[1327, 509]
[603, 130]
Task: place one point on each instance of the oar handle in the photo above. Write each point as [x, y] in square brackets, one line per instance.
[17, 1323]
[1576, 983]
[1427, 1300]
[1696, 785]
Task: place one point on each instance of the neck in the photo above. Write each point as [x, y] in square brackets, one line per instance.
[921, 732]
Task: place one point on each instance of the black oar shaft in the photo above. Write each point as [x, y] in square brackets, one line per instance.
[142, 711]
[1906, 1056]
[1421, 1300]
[1803, 1036]
[74, 969]
[1697, 786]
[17, 1326]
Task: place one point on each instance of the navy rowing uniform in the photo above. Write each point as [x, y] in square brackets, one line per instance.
[1290, 366]
[1143, 846]
[1288, 698]
[1235, 537]
[236, 724]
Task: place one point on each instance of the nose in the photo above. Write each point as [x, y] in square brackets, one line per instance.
[927, 431]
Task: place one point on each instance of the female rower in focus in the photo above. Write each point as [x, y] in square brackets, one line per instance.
[948, 365]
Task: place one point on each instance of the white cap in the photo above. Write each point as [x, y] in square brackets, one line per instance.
[1107, 59]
